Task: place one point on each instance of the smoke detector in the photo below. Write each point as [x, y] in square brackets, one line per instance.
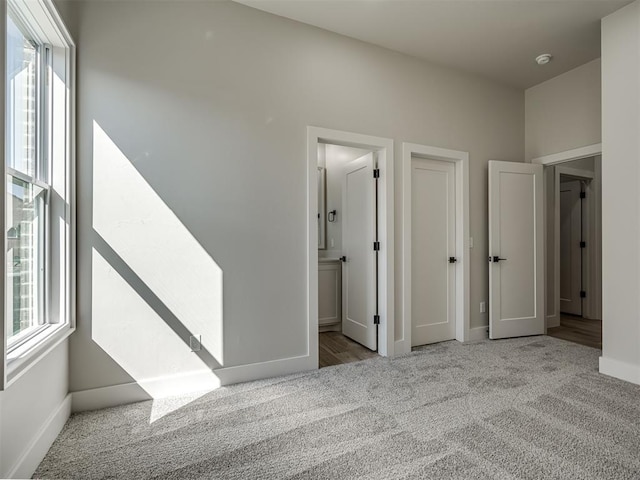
[543, 59]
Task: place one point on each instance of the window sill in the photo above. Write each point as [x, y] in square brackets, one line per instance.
[21, 359]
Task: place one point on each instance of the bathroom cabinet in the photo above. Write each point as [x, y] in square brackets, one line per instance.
[329, 293]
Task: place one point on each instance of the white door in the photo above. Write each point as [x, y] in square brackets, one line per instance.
[516, 268]
[432, 244]
[570, 251]
[358, 235]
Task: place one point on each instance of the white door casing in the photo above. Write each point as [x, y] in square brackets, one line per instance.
[570, 251]
[463, 243]
[516, 250]
[593, 260]
[359, 268]
[433, 231]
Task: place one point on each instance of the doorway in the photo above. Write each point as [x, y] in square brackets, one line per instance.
[347, 262]
[574, 298]
[350, 246]
[573, 293]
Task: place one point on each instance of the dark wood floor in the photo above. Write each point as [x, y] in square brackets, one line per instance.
[335, 349]
[578, 330]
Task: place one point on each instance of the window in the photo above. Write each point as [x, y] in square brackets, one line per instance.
[38, 187]
[27, 190]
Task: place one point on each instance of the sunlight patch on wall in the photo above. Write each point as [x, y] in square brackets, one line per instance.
[135, 337]
[143, 231]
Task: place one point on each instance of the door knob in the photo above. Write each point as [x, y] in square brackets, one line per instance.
[453, 259]
[343, 259]
[496, 259]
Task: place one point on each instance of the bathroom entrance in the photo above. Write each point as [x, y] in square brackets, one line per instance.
[353, 250]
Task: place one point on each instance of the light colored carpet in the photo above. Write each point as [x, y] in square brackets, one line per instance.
[522, 408]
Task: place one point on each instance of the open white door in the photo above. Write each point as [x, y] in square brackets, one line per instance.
[516, 268]
[359, 267]
[570, 249]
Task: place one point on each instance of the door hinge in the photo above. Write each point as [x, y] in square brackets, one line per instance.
[583, 194]
[376, 246]
[376, 173]
[583, 294]
[376, 319]
[583, 244]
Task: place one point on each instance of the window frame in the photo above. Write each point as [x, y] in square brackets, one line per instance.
[42, 24]
[41, 174]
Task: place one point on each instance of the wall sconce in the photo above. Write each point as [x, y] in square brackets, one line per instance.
[332, 216]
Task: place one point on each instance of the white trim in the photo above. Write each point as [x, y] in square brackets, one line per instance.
[274, 368]
[194, 382]
[3, 187]
[594, 150]
[622, 370]
[478, 333]
[34, 350]
[569, 155]
[40, 444]
[106, 397]
[576, 173]
[50, 29]
[162, 387]
[384, 149]
[461, 161]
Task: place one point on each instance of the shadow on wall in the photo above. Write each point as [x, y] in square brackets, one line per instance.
[153, 285]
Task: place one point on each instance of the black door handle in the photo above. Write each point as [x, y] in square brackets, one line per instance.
[453, 259]
[496, 259]
[343, 259]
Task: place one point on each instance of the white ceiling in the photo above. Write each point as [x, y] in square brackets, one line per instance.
[497, 39]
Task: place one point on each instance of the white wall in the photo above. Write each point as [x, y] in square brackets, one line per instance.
[564, 113]
[33, 410]
[620, 193]
[209, 102]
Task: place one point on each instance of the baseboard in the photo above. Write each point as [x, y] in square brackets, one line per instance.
[258, 371]
[336, 327]
[184, 384]
[478, 333]
[553, 321]
[147, 389]
[39, 446]
[401, 347]
[621, 370]
[105, 397]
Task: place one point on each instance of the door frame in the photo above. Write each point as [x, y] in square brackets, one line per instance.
[384, 149]
[461, 162]
[593, 276]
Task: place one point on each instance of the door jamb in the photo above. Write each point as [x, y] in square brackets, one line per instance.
[557, 159]
[384, 149]
[461, 161]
